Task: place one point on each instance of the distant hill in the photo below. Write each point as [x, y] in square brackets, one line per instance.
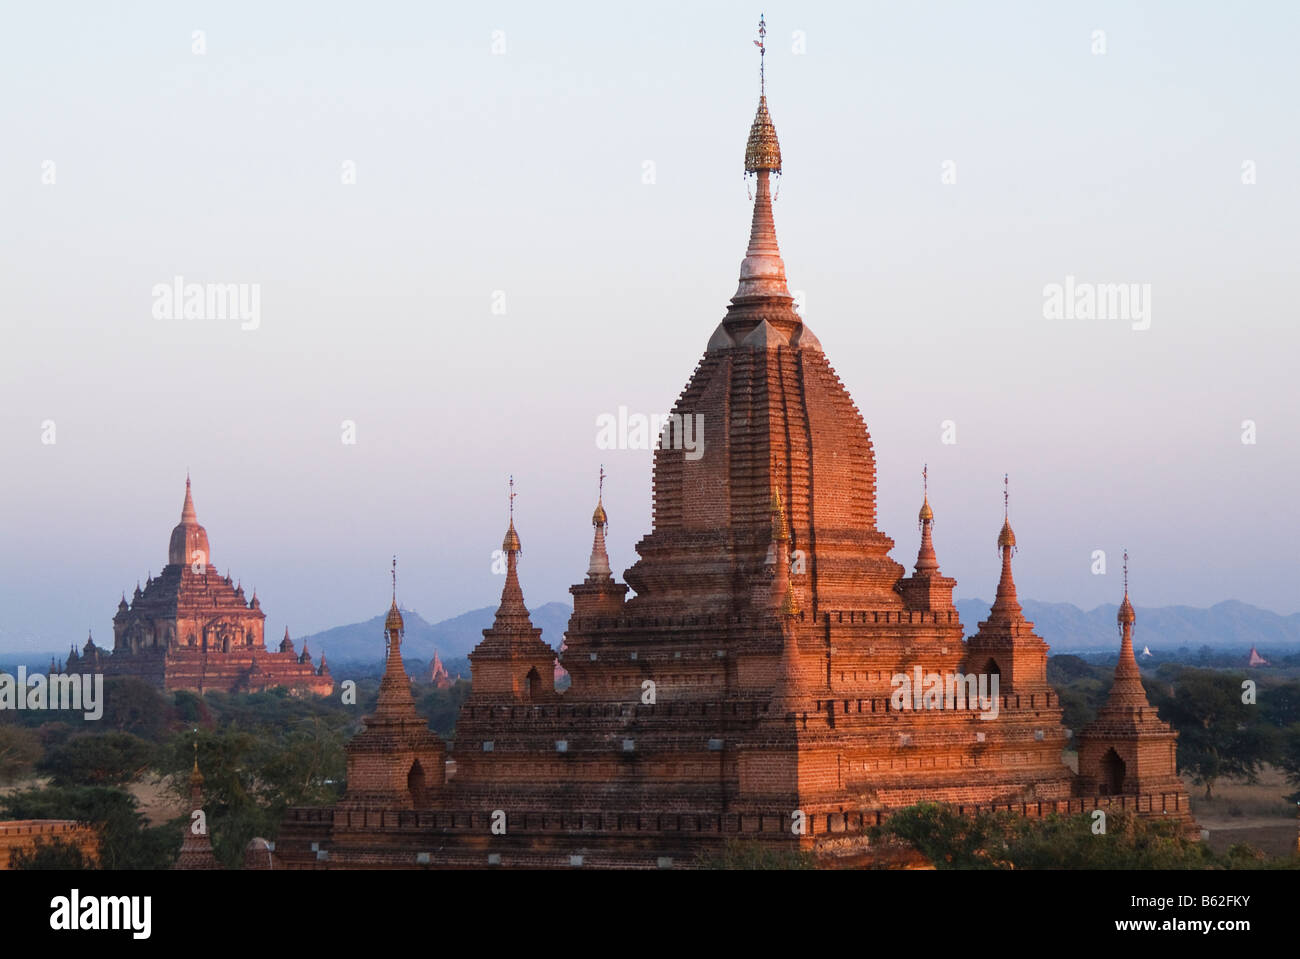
[453, 638]
[1227, 625]
[1067, 628]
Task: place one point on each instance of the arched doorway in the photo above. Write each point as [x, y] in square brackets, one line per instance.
[1112, 773]
[991, 668]
[415, 785]
[532, 684]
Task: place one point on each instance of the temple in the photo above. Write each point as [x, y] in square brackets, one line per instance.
[747, 690]
[196, 846]
[191, 628]
[1127, 748]
[439, 678]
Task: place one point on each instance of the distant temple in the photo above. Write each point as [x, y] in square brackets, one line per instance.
[1256, 659]
[438, 675]
[748, 691]
[191, 628]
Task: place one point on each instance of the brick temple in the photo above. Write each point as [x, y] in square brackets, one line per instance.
[746, 690]
[192, 628]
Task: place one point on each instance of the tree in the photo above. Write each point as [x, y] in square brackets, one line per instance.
[441, 707]
[126, 842]
[20, 750]
[1288, 757]
[1280, 704]
[53, 853]
[1004, 840]
[104, 759]
[950, 839]
[251, 778]
[132, 705]
[1218, 735]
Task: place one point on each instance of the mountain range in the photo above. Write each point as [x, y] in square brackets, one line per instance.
[1066, 627]
[452, 638]
[1227, 625]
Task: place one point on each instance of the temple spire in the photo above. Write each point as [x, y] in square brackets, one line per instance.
[598, 569]
[762, 272]
[196, 847]
[1127, 689]
[512, 612]
[1005, 603]
[926, 560]
[395, 687]
[188, 515]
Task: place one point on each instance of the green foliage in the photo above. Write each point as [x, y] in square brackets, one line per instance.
[1280, 704]
[51, 853]
[752, 854]
[134, 706]
[20, 750]
[1004, 840]
[951, 840]
[271, 752]
[1288, 757]
[1065, 669]
[441, 707]
[1129, 842]
[125, 841]
[1218, 735]
[107, 759]
[188, 707]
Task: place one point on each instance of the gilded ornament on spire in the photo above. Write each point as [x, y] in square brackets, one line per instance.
[1126, 615]
[1006, 538]
[511, 542]
[598, 517]
[926, 515]
[394, 620]
[762, 152]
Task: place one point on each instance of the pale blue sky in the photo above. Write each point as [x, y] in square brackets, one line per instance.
[523, 173]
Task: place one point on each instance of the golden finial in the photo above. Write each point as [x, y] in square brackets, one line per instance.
[762, 152]
[598, 518]
[927, 514]
[511, 543]
[196, 777]
[1006, 538]
[394, 619]
[1126, 615]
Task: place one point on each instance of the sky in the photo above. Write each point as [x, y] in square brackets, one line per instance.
[475, 229]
